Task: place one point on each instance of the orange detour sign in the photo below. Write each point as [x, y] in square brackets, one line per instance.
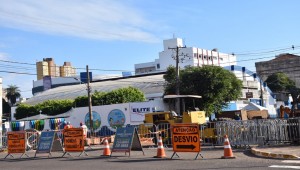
[186, 138]
[73, 141]
[16, 143]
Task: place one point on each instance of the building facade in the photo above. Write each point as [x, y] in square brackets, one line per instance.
[47, 67]
[285, 63]
[188, 56]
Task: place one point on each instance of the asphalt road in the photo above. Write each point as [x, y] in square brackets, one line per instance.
[94, 160]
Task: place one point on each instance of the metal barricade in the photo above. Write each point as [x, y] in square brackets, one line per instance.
[208, 133]
[246, 133]
[32, 138]
[4, 141]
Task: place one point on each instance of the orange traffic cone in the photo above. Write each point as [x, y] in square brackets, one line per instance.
[160, 149]
[106, 150]
[227, 149]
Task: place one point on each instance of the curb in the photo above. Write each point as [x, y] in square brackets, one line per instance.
[272, 155]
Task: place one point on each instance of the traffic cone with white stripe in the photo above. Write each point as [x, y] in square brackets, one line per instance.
[106, 150]
[227, 149]
[160, 149]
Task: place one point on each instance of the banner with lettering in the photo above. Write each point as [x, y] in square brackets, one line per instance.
[138, 110]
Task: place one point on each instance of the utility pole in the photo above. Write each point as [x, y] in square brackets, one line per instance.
[177, 91]
[89, 100]
[261, 93]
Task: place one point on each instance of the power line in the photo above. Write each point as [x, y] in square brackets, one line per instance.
[268, 52]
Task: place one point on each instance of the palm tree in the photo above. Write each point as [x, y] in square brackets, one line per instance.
[12, 94]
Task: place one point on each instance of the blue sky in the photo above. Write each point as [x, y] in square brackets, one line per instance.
[116, 34]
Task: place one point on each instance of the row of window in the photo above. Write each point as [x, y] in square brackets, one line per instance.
[205, 57]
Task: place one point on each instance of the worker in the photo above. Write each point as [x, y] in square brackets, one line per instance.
[68, 125]
[174, 113]
[84, 127]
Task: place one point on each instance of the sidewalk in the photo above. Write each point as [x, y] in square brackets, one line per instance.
[282, 152]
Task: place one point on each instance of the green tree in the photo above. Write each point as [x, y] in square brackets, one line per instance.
[49, 107]
[122, 95]
[216, 85]
[5, 109]
[12, 94]
[281, 83]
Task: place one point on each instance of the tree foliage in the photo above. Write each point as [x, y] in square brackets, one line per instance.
[55, 107]
[122, 95]
[5, 109]
[50, 107]
[281, 83]
[12, 94]
[216, 85]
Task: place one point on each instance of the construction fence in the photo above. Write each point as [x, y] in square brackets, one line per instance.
[259, 132]
[240, 133]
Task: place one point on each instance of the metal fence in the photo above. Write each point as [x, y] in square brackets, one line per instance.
[240, 133]
[259, 132]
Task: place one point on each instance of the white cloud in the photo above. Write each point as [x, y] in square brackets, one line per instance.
[92, 19]
[4, 56]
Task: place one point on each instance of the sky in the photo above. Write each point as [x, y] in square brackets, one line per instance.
[113, 35]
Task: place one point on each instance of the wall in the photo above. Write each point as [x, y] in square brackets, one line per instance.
[111, 116]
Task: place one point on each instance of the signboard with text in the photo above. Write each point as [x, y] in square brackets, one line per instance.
[73, 140]
[186, 138]
[16, 142]
[48, 142]
[249, 95]
[127, 139]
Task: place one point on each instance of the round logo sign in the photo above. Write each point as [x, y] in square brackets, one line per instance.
[116, 118]
[96, 120]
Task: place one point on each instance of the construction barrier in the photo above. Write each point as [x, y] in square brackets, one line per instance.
[240, 133]
[260, 131]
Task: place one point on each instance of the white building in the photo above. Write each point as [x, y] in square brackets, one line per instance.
[188, 56]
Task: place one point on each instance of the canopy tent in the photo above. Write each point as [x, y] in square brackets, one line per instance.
[35, 117]
[253, 106]
[43, 116]
[63, 115]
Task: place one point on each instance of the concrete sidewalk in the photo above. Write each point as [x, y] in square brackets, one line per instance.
[282, 152]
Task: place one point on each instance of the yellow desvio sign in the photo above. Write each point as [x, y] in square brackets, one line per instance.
[186, 138]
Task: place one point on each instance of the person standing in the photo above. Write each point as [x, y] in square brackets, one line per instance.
[84, 127]
[68, 126]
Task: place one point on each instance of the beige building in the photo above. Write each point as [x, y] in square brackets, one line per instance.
[47, 67]
[286, 63]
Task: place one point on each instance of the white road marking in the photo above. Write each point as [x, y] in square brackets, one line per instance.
[284, 166]
[292, 161]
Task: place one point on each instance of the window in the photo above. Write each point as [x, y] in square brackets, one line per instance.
[158, 66]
